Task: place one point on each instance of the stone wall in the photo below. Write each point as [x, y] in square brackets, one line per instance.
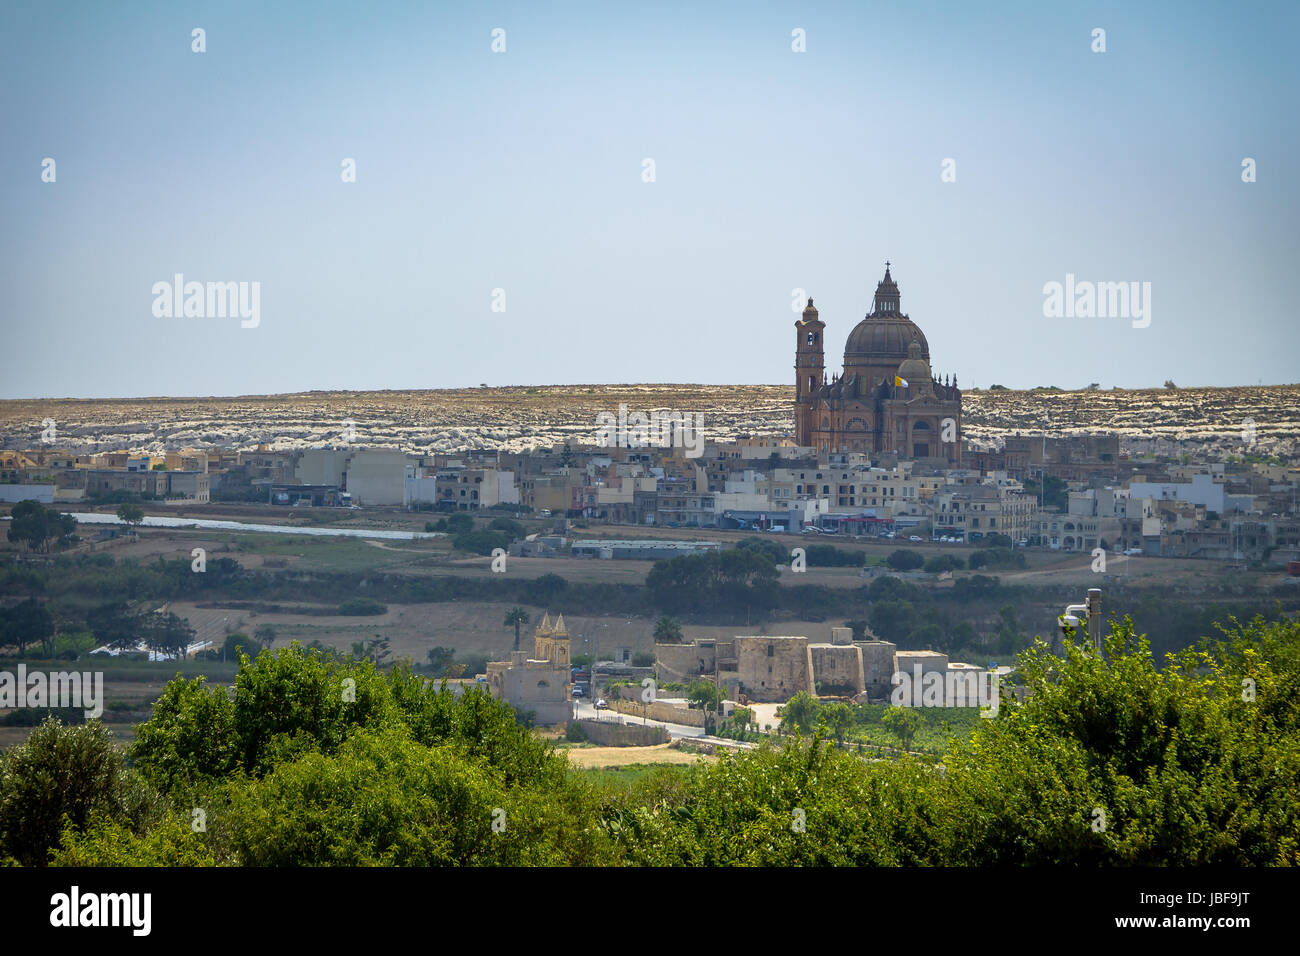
[773, 669]
[659, 710]
[607, 733]
[877, 667]
[835, 665]
[683, 663]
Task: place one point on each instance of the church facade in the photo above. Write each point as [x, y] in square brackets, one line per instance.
[887, 400]
[538, 685]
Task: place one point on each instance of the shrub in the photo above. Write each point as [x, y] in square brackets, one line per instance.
[905, 560]
[362, 607]
[59, 772]
[944, 562]
[481, 542]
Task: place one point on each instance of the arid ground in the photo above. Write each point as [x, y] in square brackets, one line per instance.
[516, 418]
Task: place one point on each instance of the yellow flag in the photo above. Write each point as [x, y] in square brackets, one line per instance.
[900, 382]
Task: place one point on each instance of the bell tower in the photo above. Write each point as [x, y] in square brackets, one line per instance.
[809, 368]
[810, 354]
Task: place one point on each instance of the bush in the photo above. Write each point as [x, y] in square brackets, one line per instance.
[643, 659]
[905, 560]
[997, 558]
[508, 526]
[362, 607]
[59, 772]
[481, 542]
[827, 556]
[772, 550]
[944, 562]
[575, 733]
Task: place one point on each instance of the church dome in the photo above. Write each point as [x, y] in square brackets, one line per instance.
[915, 370]
[882, 338]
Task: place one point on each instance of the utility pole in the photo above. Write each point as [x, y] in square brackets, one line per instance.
[1094, 617]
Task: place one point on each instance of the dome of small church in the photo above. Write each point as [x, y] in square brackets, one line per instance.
[915, 370]
[883, 336]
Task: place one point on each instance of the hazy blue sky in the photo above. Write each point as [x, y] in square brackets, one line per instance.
[522, 171]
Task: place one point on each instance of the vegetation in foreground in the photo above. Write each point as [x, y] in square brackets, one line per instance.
[321, 760]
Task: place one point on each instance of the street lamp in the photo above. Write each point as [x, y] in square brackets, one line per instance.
[1089, 614]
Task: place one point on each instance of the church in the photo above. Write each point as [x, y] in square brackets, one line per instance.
[887, 401]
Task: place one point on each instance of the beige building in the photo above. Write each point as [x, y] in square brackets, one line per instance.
[775, 668]
[986, 509]
[539, 684]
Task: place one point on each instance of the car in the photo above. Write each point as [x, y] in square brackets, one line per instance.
[914, 537]
[1133, 551]
[577, 692]
[600, 704]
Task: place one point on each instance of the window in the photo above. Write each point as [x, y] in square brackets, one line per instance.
[771, 649]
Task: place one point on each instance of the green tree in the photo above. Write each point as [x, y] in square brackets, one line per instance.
[36, 526]
[29, 524]
[60, 772]
[839, 719]
[167, 634]
[460, 523]
[507, 525]
[905, 559]
[516, 617]
[480, 542]
[130, 514]
[944, 562]
[705, 695]
[440, 658]
[265, 634]
[903, 723]
[770, 549]
[28, 622]
[800, 714]
[667, 631]
[115, 625]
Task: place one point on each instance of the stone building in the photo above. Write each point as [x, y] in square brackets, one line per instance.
[887, 401]
[539, 684]
[775, 668]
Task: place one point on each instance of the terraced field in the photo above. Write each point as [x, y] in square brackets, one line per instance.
[1186, 420]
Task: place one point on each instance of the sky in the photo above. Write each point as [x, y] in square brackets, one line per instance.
[505, 227]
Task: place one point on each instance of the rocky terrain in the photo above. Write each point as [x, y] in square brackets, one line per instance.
[511, 419]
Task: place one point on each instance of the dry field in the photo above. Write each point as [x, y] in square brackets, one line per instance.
[516, 418]
[588, 758]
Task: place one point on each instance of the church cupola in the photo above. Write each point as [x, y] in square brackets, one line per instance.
[886, 302]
